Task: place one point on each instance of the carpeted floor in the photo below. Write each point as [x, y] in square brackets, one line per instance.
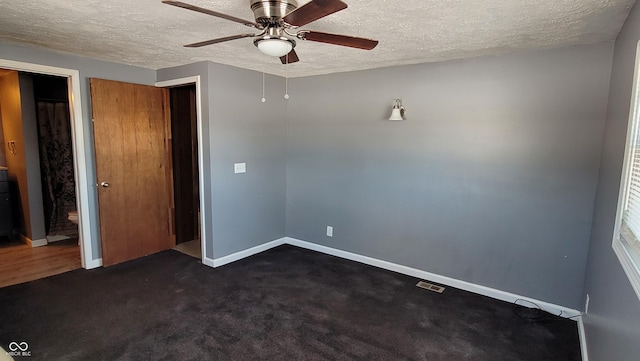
[283, 304]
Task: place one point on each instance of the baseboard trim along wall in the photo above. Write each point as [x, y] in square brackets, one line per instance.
[217, 262]
[583, 339]
[33, 243]
[208, 261]
[93, 263]
[452, 282]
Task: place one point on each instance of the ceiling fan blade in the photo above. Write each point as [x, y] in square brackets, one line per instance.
[218, 40]
[292, 57]
[343, 40]
[211, 12]
[313, 11]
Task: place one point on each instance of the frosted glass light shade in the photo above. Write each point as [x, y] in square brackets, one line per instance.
[275, 47]
[396, 114]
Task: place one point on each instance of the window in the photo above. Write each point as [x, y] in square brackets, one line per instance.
[626, 237]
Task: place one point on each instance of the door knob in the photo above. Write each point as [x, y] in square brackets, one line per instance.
[104, 184]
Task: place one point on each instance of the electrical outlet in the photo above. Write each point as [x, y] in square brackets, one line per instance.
[586, 305]
[329, 231]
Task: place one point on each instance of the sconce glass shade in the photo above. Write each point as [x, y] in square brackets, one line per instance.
[397, 113]
[274, 47]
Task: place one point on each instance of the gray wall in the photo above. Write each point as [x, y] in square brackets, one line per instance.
[88, 68]
[32, 158]
[244, 210]
[613, 322]
[490, 180]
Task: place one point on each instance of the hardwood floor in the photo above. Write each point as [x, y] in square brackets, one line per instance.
[20, 263]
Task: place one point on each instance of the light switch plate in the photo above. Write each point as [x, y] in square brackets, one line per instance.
[240, 168]
[329, 231]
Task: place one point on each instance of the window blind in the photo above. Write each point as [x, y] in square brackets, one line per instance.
[630, 229]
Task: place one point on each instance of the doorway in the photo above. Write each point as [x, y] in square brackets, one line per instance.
[196, 213]
[88, 260]
[184, 149]
[37, 160]
[56, 158]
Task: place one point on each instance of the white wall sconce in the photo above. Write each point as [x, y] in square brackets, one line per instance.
[397, 113]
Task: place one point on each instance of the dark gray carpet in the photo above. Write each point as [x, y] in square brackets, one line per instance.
[283, 304]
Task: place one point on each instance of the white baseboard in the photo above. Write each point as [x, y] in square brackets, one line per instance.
[467, 286]
[583, 339]
[208, 261]
[33, 243]
[39, 242]
[93, 263]
[217, 262]
[51, 239]
[452, 282]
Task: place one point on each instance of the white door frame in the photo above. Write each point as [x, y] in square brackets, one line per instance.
[203, 212]
[79, 150]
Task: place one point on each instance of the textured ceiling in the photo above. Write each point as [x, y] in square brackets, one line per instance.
[151, 34]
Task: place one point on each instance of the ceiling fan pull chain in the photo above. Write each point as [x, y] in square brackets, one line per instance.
[263, 98]
[286, 88]
[286, 78]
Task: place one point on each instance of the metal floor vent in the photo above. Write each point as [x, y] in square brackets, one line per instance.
[430, 287]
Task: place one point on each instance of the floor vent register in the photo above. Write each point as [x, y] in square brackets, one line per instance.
[430, 287]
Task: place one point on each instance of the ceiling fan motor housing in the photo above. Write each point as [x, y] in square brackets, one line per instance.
[271, 12]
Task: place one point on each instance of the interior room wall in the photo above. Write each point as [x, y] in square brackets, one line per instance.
[3, 156]
[613, 319]
[19, 125]
[88, 68]
[11, 108]
[35, 228]
[490, 180]
[245, 210]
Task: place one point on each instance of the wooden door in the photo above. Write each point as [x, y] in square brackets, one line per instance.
[131, 131]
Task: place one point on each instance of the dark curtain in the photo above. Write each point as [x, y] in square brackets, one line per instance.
[56, 166]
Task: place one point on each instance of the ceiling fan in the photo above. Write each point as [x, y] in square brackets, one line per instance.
[278, 21]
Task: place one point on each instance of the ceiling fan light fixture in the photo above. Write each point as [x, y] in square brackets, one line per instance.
[275, 46]
[277, 21]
